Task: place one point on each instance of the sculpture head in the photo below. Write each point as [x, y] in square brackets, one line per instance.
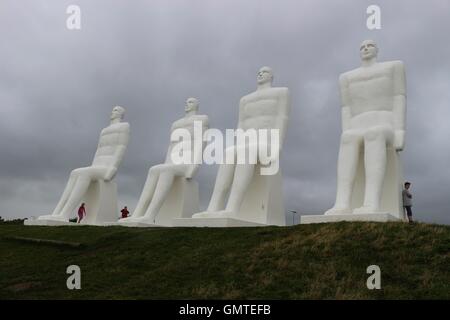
[191, 105]
[117, 113]
[265, 75]
[368, 50]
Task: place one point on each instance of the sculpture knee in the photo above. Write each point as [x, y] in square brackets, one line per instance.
[230, 153]
[165, 175]
[77, 172]
[376, 134]
[155, 170]
[349, 138]
[222, 188]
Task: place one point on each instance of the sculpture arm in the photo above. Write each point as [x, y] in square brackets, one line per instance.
[171, 143]
[241, 114]
[169, 153]
[399, 108]
[118, 154]
[346, 113]
[198, 155]
[283, 116]
[281, 123]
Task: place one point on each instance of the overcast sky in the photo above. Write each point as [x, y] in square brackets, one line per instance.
[57, 88]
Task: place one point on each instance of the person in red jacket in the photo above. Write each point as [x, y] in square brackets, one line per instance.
[81, 212]
[125, 212]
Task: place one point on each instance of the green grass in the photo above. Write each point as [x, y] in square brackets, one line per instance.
[326, 261]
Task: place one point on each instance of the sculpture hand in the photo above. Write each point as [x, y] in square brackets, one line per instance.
[399, 140]
[110, 173]
[191, 171]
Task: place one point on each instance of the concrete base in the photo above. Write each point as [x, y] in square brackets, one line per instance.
[101, 203]
[374, 217]
[214, 223]
[181, 202]
[134, 224]
[36, 222]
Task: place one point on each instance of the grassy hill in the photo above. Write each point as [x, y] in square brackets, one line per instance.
[326, 261]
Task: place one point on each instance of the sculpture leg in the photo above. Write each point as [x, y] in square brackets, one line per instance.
[223, 183]
[346, 173]
[147, 193]
[375, 168]
[242, 178]
[163, 186]
[65, 196]
[78, 191]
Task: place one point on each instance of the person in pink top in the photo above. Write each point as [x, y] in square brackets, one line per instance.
[81, 212]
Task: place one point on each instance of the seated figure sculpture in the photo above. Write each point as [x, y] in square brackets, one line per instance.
[373, 99]
[266, 108]
[110, 152]
[162, 177]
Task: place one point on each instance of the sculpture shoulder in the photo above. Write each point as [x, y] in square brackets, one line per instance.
[203, 118]
[200, 117]
[394, 63]
[282, 91]
[183, 122]
[398, 65]
[343, 77]
[274, 91]
[178, 123]
[123, 127]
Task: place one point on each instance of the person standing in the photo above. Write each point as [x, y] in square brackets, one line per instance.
[124, 212]
[407, 201]
[81, 212]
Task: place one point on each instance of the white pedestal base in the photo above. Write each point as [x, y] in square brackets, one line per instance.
[262, 206]
[36, 222]
[181, 202]
[101, 203]
[101, 207]
[215, 223]
[374, 217]
[134, 224]
[263, 200]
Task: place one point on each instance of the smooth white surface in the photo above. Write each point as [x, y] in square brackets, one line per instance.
[52, 223]
[169, 191]
[93, 185]
[373, 98]
[215, 223]
[374, 217]
[102, 200]
[253, 197]
[181, 202]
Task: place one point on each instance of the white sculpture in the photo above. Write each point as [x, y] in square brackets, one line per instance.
[169, 191]
[252, 197]
[95, 182]
[373, 101]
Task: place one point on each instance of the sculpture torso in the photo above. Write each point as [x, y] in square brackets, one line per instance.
[186, 123]
[370, 94]
[261, 109]
[111, 137]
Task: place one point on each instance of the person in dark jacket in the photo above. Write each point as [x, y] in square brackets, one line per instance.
[407, 201]
[124, 212]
